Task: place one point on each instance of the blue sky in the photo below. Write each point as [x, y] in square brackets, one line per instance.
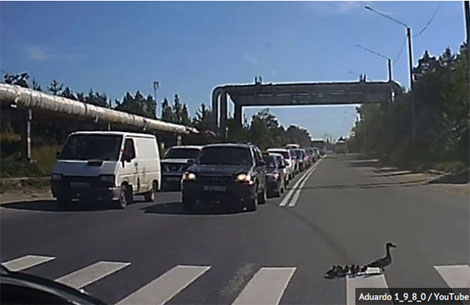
[192, 47]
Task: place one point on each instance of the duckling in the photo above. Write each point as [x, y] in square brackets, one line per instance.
[333, 272]
[385, 261]
[342, 271]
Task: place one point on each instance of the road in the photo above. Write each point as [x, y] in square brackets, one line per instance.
[341, 212]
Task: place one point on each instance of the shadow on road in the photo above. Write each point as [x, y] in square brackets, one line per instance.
[364, 163]
[176, 208]
[53, 206]
[461, 178]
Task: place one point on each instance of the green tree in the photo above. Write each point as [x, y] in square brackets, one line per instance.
[17, 79]
[55, 87]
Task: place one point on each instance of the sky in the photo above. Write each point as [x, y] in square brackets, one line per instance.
[193, 47]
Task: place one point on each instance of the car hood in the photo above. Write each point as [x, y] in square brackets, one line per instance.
[219, 170]
[84, 168]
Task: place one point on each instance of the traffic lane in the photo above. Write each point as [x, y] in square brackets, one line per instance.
[153, 240]
[360, 213]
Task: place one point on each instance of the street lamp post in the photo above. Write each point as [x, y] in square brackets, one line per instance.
[410, 68]
[389, 60]
[156, 85]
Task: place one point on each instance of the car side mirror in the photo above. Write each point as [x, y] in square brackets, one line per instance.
[191, 161]
[126, 157]
[57, 154]
[282, 166]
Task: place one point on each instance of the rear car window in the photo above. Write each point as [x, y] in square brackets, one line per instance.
[226, 156]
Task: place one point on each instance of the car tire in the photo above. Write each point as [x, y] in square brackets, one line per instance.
[125, 197]
[188, 204]
[252, 204]
[151, 196]
[263, 196]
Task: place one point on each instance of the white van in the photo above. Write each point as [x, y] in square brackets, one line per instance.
[108, 166]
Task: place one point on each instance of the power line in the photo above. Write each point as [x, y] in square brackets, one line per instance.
[400, 52]
[429, 22]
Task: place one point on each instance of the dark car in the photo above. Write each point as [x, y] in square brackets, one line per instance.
[300, 159]
[226, 173]
[175, 162]
[276, 177]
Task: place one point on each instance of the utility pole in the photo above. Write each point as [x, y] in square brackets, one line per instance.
[389, 65]
[156, 85]
[412, 102]
[467, 26]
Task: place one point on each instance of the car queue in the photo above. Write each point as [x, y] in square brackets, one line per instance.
[115, 166]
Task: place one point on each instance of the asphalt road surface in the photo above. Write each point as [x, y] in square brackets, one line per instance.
[340, 211]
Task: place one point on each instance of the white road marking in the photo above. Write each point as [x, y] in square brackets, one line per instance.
[289, 194]
[26, 262]
[90, 274]
[266, 287]
[367, 281]
[299, 190]
[165, 287]
[456, 276]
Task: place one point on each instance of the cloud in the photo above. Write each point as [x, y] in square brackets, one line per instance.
[38, 53]
[250, 58]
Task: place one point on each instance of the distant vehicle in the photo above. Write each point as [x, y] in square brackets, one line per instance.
[300, 153]
[317, 153]
[312, 156]
[288, 159]
[295, 161]
[341, 147]
[175, 162]
[320, 144]
[108, 166]
[226, 173]
[276, 176]
[292, 146]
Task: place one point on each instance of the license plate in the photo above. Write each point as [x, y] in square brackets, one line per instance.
[79, 184]
[172, 179]
[214, 188]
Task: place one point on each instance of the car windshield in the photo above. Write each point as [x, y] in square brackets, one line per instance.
[90, 146]
[298, 153]
[271, 162]
[284, 153]
[225, 155]
[182, 153]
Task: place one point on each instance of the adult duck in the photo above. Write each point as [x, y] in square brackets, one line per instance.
[384, 261]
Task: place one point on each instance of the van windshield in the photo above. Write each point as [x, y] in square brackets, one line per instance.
[91, 146]
[182, 153]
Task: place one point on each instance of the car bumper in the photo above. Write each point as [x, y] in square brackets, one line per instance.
[172, 179]
[105, 193]
[232, 193]
[273, 185]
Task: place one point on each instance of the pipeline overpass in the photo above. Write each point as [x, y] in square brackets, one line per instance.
[28, 100]
[296, 94]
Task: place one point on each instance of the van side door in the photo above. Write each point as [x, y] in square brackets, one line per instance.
[129, 164]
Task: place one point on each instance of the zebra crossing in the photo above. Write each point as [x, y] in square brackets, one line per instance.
[266, 286]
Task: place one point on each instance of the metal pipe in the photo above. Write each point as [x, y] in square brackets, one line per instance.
[20, 97]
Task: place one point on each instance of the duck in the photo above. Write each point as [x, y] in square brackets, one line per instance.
[384, 261]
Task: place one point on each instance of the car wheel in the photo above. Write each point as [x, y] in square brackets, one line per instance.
[125, 197]
[151, 196]
[188, 204]
[252, 204]
[263, 196]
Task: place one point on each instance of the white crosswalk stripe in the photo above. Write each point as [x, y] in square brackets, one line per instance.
[266, 287]
[26, 262]
[455, 276]
[372, 280]
[165, 287]
[90, 274]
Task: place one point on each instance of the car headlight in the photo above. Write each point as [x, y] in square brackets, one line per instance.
[56, 177]
[107, 178]
[243, 178]
[189, 176]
